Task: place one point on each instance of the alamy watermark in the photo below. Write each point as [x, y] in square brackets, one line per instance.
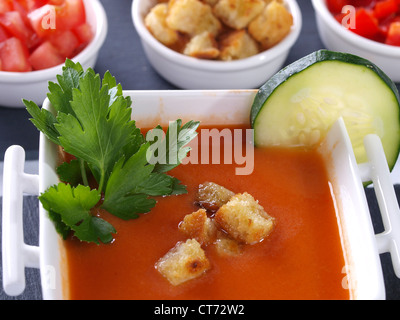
[349, 18]
[217, 147]
[49, 19]
[49, 277]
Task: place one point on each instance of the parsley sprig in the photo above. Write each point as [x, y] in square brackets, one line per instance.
[92, 122]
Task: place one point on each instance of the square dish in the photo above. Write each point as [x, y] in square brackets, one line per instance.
[361, 248]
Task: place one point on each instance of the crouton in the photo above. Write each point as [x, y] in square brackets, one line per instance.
[237, 14]
[184, 262]
[192, 17]
[272, 25]
[238, 45]
[202, 46]
[269, 1]
[198, 226]
[211, 2]
[212, 196]
[227, 246]
[244, 219]
[155, 22]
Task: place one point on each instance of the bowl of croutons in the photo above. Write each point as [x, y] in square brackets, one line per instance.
[217, 44]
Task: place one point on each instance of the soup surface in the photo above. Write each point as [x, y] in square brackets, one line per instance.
[301, 259]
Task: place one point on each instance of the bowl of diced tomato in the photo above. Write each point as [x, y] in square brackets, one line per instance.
[37, 36]
[368, 28]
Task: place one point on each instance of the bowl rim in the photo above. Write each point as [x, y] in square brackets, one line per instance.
[90, 50]
[353, 38]
[211, 65]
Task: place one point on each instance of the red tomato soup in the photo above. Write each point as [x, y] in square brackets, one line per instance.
[301, 259]
[377, 20]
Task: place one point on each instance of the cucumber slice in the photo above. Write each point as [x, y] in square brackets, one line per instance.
[298, 105]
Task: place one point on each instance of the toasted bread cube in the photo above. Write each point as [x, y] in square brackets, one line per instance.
[184, 262]
[272, 25]
[238, 45]
[155, 22]
[192, 17]
[226, 246]
[269, 1]
[202, 46]
[199, 226]
[212, 196]
[211, 2]
[244, 219]
[237, 14]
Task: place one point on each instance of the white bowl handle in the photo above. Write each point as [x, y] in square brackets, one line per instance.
[16, 254]
[378, 172]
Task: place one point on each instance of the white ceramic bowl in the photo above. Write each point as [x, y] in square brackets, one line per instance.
[336, 38]
[361, 247]
[15, 86]
[191, 73]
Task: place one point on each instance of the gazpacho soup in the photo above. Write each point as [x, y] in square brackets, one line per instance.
[270, 233]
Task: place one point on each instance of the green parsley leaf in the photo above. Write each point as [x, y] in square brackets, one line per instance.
[121, 198]
[157, 184]
[98, 133]
[60, 96]
[60, 93]
[137, 178]
[92, 122]
[168, 152]
[71, 172]
[115, 90]
[43, 120]
[74, 205]
[177, 187]
[60, 226]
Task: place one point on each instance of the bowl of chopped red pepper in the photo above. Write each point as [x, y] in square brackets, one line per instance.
[37, 36]
[368, 28]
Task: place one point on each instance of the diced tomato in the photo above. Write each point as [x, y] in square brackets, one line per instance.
[48, 31]
[3, 34]
[14, 24]
[44, 20]
[18, 6]
[66, 43]
[45, 56]
[51, 19]
[14, 56]
[36, 3]
[385, 25]
[5, 6]
[56, 2]
[374, 18]
[335, 6]
[393, 37]
[30, 5]
[84, 33]
[366, 24]
[361, 3]
[71, 14]
[385, 9]
[339, 17]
